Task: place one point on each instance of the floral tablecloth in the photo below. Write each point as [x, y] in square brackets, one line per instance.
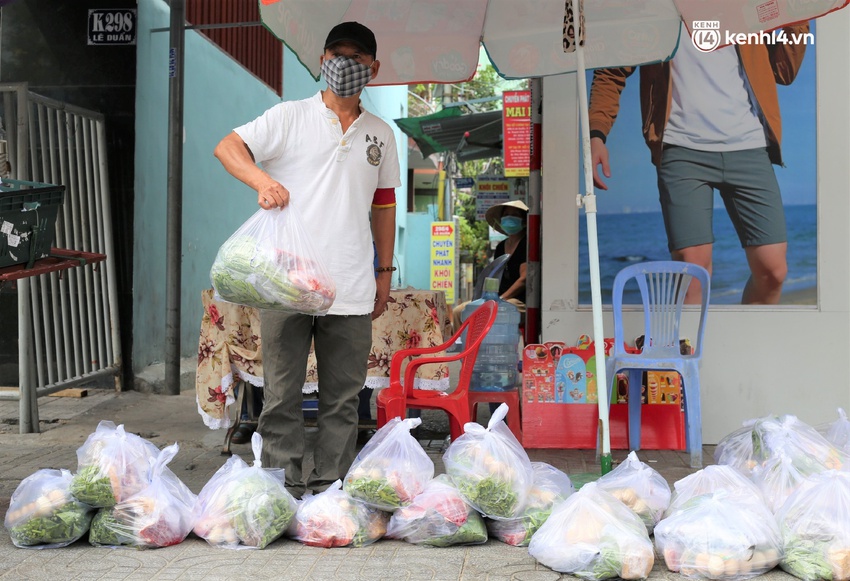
[230, 348]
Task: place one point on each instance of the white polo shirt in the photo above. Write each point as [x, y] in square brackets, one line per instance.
[331, 180]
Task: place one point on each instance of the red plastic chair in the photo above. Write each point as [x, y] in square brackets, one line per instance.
[513, 419]
[394, 400]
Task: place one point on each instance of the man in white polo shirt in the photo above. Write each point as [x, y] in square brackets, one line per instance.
[337, 164]
[711, 121]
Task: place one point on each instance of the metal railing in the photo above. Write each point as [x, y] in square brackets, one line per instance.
[67, 321]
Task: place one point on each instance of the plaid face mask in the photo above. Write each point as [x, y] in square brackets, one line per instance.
[346, 77]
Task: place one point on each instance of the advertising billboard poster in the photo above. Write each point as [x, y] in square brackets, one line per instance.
[443, 259]
[516, 132]
[489, 191]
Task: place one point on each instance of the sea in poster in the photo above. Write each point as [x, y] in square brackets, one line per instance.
[625, 239]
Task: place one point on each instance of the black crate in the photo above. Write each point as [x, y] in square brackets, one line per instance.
[28, 213]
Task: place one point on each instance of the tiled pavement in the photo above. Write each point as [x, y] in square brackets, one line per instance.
[165, 419]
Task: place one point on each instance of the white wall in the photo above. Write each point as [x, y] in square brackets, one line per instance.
[757, 360]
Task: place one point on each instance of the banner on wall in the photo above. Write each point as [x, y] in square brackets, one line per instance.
[443, 259]
[492, 190]
[516, 132]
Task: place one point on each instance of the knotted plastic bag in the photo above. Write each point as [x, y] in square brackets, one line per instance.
[720, 535]
[438, 517]
[391, 469]
[490, 468]
[112, 466]
[807, 449]
[334, 519]
[640, 488]
[815, 527]
[244, 506]
[42, 513]
[713, 479]
[271, 263]
[594, 536]
[160, 515]
[837, 433]
[549, 487]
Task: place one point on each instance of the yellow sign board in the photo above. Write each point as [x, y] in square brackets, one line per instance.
[443, 259]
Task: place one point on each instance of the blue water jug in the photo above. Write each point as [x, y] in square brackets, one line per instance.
[496, 366]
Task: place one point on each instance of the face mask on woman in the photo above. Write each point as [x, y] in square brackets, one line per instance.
[346, 77]
[511, 224]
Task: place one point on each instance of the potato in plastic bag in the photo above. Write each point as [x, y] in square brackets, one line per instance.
[244, 506]
[815, 526]
[550, 486]
[42, 513]
[160, 515]
[271, 263]
[334, 519]
[391, 469]
[593, 535]
[719, 535]
[837, 433]
[638, 486]
[438, 517]
[112, 466]
[490, 468]
[713, 479]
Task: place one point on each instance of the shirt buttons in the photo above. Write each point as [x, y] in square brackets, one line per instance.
[343, 142]
[334, 121]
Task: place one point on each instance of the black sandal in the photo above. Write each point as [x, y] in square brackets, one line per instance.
[243, 433]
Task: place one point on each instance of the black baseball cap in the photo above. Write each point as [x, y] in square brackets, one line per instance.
[355, 33]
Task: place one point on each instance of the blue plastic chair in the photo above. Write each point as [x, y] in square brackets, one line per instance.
[662, 287]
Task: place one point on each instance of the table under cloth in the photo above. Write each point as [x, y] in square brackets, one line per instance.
[230, 348]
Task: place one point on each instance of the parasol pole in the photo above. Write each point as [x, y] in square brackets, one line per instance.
[588, 200]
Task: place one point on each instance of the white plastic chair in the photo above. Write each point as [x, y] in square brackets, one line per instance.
[662, 287]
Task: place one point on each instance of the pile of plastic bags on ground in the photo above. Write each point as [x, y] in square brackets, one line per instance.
[779, 496]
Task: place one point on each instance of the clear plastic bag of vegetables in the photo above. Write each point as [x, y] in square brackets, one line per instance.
[837, 433]
[42, 513]
[438, 517]
[334, 519]
[550, 486]
[160, 515]
[640, 488]
[112, 466]
[815, 526]
[391, 469]
[779, 476]
[271, 263]
[807, 449]
[736, 448]
[490, 468]
[713, 479]
[244, 506]
[593, 535]
[719, 535]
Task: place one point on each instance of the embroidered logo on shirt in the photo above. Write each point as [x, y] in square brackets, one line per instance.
[373, 151]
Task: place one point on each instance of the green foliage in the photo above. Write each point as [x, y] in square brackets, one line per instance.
[63, 525]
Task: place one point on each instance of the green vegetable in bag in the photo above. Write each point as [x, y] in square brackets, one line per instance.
[65, 524]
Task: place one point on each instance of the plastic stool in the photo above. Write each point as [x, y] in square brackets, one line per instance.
[509, 397]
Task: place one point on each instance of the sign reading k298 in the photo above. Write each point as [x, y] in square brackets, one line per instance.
[112, 26]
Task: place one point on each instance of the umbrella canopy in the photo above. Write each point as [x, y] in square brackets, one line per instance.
[475, 136]
[439, 41]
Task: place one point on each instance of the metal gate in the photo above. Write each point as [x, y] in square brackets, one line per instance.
[68, 321]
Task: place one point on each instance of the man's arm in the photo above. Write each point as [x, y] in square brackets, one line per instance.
[604, 105]
[238, 160]
[383, 232]
[786, 58]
